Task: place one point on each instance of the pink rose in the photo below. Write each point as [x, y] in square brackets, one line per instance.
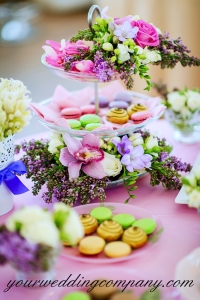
[120, 21]
[83, 66]
[147, 34]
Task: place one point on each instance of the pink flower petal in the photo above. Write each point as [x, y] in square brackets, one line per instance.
[91, 140]
[83, 65]
[62, 123]
[73, 144]
[55, 45]
[66, 157]
[50, 52]
[94, 169]
[74, 169]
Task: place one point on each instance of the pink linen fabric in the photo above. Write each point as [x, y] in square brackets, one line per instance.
[181, 228]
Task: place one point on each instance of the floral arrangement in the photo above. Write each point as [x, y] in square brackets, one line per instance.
[30, 238]
[14, 101]
[183, 106]
[191, 184]
[123, 46]
[75, 168]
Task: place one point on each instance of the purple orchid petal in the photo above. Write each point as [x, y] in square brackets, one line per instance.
[137, 151]
[66, 157]
[94, 169]
[130, 168]
[126, 159]
[91, 140]
[125, 31]
[137, 163]
[73, 144]
[146, 158]
[74, 169]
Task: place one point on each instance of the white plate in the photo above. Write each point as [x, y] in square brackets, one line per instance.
[72, 253]
[182, 197]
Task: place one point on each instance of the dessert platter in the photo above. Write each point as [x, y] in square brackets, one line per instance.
[114, 232]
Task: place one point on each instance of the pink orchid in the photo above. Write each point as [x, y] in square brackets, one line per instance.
[72, 48]
[120, 21]
[85, 155]
[83, 66]
[53, 57]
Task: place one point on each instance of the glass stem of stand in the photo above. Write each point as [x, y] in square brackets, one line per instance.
[96, 98]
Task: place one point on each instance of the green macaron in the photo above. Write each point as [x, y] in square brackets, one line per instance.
[89, 118]
[74, 124]
[92, 126]
[147, 224]
[125, 220]
[77, 296]
[101, 214]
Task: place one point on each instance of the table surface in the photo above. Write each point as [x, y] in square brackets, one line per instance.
[181, 227]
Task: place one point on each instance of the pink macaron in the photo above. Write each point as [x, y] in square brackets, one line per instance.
[140, 116]
[88, 109]
[71, 113]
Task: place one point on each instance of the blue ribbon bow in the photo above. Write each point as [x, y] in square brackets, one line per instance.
[11, 180]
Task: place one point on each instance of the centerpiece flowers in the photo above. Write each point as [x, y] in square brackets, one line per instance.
[73, 168]
[31, 239]
[123, 46]
[191, 185]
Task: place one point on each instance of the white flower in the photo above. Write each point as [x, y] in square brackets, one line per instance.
[107, 47]
[124, 52]
[196, 172]
[73, 228]
[136, 139]
[176, 101]
[194, 199]
[192, 179]
[55, 141]
[116, 138]
[42, 232]
[140, 50]
[112, 165]
[151, 56]
[185, 112]
[193, 101]
[27, 216]
[151, 142]
[136, 18]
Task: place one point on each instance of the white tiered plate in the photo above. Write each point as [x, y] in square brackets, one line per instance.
[72, 253]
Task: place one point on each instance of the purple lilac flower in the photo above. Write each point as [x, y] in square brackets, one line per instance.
[123, 147]
[126, 31]
[103, 69]
[17, 251]
[136, 159]
[164, 156]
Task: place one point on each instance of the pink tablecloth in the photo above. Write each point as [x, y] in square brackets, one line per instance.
[181, 228]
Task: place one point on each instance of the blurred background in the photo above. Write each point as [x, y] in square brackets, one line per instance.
[25, 25]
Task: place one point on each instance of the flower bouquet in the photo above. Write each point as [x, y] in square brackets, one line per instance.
[14, 101]
[31, 239]
[183, 111]
[121, 48]
[75, 168]
[191, 184]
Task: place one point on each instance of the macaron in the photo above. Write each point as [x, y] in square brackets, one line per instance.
[117, 115]
[140, 117]
[134, 108]
[74, 124]
[76, 296]
[125, 220]
[147, 224]
[88, 109]
[91, 245]
[117, 249]
[126, 296]
[71, 113]
[102, 292]
[103, 101]
[89, 118]
[101, 214]
[93, 126]
[119, 104]
[123, 96]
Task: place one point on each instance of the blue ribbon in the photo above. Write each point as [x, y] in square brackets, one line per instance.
[11, 180]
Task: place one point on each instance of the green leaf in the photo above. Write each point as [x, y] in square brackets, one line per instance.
[133, 188]
[147, 295]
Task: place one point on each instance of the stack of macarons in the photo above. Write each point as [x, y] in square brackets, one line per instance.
[116, 235]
